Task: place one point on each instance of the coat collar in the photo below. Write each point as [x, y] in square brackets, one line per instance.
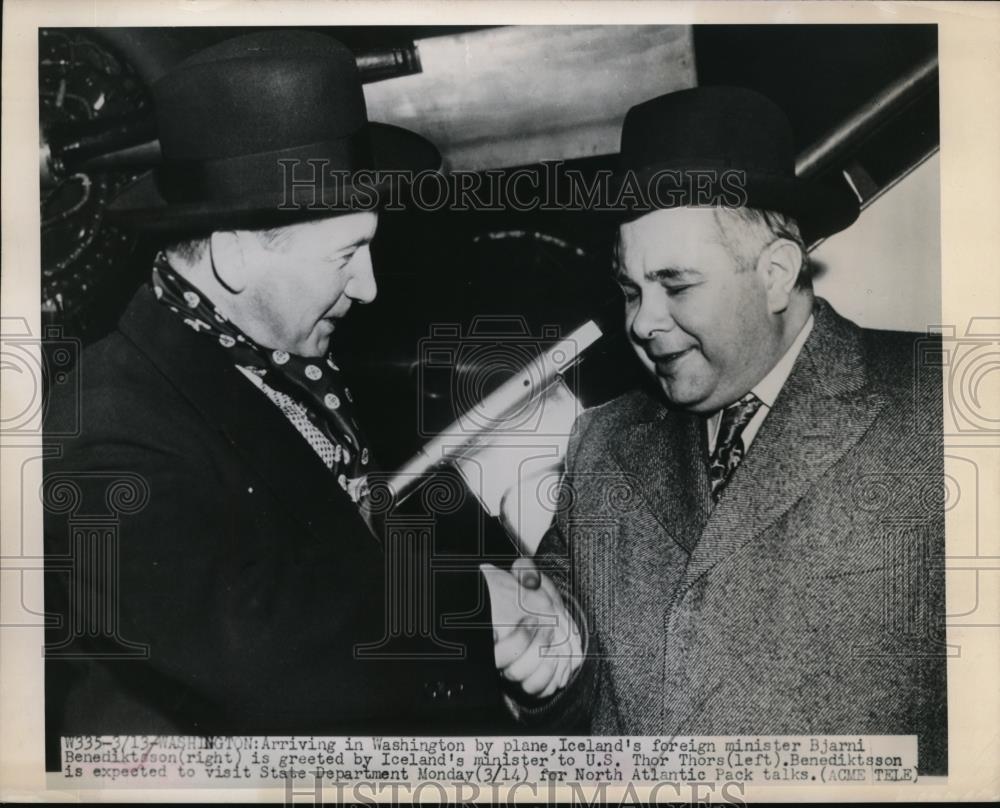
[661, 451]
[254, 427]
[823, 409]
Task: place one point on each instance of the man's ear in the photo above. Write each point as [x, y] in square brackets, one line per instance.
[228, 262]
[782, 261]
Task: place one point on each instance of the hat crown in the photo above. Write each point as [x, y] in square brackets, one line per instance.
[709, 127]
[266, 128]
[261, 92]
[722, 145]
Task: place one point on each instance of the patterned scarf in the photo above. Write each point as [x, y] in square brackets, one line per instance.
[317, 384]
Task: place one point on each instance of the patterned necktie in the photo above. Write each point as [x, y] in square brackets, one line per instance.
[729, 449]
[315, 383]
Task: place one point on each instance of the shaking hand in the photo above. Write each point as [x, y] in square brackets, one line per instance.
[536, 642]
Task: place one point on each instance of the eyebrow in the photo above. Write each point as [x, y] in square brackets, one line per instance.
[360, 241]
[672, 274]
[665, 274]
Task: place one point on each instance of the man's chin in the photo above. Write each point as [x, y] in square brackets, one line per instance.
[313, 348]
[319, 349]
[318, 343]
[685, 396]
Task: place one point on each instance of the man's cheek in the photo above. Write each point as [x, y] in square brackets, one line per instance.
[643, 356]
[688, 318]
[630, 332]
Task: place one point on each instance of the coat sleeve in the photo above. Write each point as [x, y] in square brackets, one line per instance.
[569, 709]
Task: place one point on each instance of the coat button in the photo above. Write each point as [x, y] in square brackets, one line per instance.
[444, 691]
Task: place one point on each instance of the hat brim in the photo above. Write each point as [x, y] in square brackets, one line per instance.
[820, 208]
[142, 206]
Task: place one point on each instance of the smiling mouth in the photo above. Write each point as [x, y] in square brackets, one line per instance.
[668, 359]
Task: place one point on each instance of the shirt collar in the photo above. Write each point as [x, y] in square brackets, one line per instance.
[767, 389]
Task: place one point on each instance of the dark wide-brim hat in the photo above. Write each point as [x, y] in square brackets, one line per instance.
[262, 130]
[722, 146]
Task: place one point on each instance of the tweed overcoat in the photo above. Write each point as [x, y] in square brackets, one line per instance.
[809, 600]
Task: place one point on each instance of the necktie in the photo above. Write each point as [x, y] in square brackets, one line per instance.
[729, 449]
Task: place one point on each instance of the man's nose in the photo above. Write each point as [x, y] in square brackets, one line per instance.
[652, 315]
[361, 287]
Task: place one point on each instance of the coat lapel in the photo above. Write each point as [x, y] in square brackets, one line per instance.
[822, 411]
[255, 428]
[662, 453]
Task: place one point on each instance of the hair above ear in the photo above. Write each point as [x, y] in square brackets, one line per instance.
[189, 250]
[747, 231]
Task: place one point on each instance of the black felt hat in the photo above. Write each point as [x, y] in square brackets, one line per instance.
[265, 129]
[723, 145]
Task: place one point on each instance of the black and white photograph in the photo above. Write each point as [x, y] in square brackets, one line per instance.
[482, 405]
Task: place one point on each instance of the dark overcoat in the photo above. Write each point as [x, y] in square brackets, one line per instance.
[206, 574]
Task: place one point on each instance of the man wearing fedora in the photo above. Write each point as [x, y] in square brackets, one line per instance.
[246, 578]
[772, 562]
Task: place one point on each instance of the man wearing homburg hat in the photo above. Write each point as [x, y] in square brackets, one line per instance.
[248, 576]
[776, 565]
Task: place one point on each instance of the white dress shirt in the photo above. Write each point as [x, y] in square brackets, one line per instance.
[766, 390]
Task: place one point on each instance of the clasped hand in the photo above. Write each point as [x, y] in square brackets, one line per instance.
[536, 642]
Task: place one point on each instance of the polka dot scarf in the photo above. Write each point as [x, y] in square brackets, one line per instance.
[314, 382]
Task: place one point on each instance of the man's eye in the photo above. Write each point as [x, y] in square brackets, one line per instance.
[678, 289]
[629, 293]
